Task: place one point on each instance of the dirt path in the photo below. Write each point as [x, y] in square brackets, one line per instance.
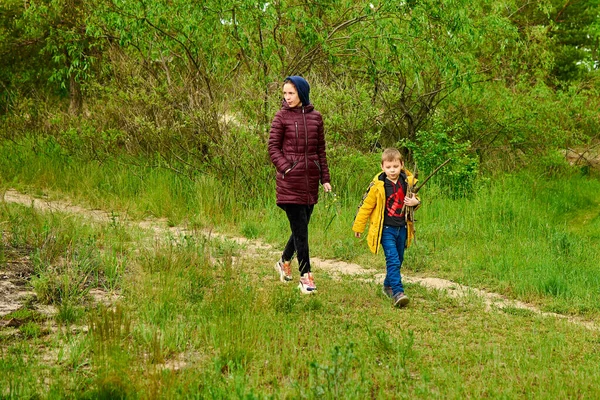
[12, 294]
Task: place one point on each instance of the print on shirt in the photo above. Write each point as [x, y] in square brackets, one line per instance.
[395, 202]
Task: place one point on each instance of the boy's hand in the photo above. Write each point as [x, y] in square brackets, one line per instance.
[411, 201]
[327, 187]
[357, 234]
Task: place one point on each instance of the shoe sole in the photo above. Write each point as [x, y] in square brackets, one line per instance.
[402, 302]
[304, 290]
[282, 276]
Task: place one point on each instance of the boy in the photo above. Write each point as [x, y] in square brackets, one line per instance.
[383, 206]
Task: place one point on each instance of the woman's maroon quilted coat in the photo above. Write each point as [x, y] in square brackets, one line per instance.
[297, 142]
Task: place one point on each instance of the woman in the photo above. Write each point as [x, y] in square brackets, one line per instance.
[297, 149]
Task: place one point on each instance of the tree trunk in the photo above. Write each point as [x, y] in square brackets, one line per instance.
[75, 96]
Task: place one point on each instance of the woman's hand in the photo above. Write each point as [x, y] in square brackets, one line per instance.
[327, 187]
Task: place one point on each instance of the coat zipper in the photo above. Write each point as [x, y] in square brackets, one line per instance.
[306, 156]
[296, 123]
[380, 233]
[295, 162]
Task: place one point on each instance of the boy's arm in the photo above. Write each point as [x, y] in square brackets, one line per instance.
[365, 208]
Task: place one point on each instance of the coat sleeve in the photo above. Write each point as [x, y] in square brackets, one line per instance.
[365, 209]
[275, 144]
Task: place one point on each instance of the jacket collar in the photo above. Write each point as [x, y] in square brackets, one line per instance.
[285, 106]
[381, 176]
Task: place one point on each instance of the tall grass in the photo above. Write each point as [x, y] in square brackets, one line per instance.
[529, 235]
[530, 238]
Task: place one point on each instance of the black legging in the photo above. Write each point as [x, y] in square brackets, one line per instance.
[299, 217]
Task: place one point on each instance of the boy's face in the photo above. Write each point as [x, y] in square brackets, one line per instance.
[392, 169]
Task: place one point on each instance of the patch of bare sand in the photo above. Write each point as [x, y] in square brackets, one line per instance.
[492, 300]
[14, 276]
[255, 247]
[584, 156]
[12, 196]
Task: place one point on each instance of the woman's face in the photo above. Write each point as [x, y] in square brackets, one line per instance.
[290, 95]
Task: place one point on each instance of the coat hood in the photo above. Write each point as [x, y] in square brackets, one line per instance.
[303, 88]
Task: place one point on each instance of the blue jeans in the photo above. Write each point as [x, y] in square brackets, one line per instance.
[393, 241]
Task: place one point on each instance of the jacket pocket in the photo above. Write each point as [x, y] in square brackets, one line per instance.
[290, 170]
[317, 164]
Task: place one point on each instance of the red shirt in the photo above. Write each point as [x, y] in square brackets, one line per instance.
[394, 201]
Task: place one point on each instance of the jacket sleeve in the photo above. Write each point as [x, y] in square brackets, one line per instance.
[325, 177]
[275, 145]
[365, 209]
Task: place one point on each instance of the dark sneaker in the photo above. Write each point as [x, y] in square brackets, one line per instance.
[307, 283]
[387, 290]
[400, 299]
[284, 269]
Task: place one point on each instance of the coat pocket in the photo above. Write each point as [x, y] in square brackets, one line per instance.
[317, 164]
[290, 170]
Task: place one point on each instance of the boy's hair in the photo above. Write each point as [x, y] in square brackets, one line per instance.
[391, 154]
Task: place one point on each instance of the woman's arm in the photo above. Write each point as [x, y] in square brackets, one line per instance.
[275, 145]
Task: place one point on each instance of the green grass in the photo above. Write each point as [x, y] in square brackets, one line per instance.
[233, 330]
[530, 241]
[197, 318]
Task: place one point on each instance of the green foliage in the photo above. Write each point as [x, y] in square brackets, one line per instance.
[509, 128]
[190, 87]
[432, 148]
[351, 117]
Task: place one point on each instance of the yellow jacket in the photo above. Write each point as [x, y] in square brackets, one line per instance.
[372, 209]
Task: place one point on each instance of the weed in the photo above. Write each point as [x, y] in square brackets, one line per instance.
[113, 268]
[30, 330]
[337, 379]
[346, 249]
[285, 301]
[69, 313]
[250, 230]
[198, 285]
[112, 386]
[110, 330]
[25, 314]
[554, 286]
[383, 342]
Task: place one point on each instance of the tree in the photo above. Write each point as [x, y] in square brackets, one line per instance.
[60, 26]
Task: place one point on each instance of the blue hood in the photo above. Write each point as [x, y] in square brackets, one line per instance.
[303, 88]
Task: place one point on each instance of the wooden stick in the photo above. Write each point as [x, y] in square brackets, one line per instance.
[435, 171]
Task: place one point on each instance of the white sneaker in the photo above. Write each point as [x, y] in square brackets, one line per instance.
[307, 283]
[284, 269]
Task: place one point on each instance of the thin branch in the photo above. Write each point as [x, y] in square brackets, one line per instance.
[435, 171]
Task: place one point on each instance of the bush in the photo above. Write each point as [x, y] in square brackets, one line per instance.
[432, 147]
